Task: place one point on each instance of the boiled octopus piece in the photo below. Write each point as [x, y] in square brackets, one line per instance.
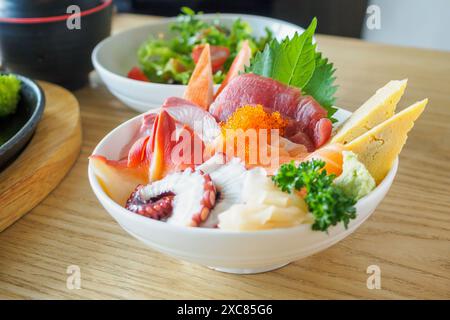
[181, 198]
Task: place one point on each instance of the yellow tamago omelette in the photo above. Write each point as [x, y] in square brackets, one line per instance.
[378, 147]
[380, 107]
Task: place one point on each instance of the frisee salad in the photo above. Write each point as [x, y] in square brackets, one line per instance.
[172, 60]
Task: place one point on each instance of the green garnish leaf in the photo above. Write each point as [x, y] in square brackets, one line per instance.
[263, 63]
[321, 87]
[292, 61]
[326, 201]
[295, 62]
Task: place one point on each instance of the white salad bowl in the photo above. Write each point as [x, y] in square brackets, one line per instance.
[116, 55]
[227, 251]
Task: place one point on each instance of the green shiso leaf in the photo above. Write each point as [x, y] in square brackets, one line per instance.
[321, 85]
[296, 62]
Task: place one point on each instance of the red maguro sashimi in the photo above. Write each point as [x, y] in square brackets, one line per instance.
[309, 124]
[247, 89]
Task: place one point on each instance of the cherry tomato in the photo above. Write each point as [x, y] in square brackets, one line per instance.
[137, 74]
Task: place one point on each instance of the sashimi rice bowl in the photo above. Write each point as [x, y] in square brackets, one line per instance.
[260, 172]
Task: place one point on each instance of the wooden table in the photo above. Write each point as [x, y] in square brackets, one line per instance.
[408, 236]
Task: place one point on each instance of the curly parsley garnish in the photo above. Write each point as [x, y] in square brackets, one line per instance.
[326, 201]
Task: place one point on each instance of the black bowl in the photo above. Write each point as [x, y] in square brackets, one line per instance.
[41, 8]
[46, 48]
[20, 126]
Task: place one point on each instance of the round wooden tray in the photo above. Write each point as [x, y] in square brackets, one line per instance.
[45, 161]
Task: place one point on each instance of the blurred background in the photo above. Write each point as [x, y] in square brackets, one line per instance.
[413, 23]
[417, 23]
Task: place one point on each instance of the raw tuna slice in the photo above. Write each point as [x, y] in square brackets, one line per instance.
[322, 132]
[310, 119]
[250, 89]
[302, 138]
[308, 122]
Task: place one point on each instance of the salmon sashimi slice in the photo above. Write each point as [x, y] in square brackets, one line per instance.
[241, 61]
[116, 178]
[283, 152]
[268, 154]
[288, 151]
[200, 88]
[331, 154]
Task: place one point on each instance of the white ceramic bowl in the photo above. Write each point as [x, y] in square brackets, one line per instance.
[116, 55]
[235, 252]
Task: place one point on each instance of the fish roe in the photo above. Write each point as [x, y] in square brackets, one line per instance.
[236, 140]
[255, 117]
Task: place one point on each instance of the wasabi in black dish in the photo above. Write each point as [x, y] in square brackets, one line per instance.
[21, 106]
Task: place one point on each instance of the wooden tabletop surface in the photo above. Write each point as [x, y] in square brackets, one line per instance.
[408, 236]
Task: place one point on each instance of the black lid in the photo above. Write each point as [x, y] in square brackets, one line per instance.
[42, 8]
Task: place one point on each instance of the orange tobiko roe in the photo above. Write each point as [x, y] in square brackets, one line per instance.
[255, 117]
[247, 118]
